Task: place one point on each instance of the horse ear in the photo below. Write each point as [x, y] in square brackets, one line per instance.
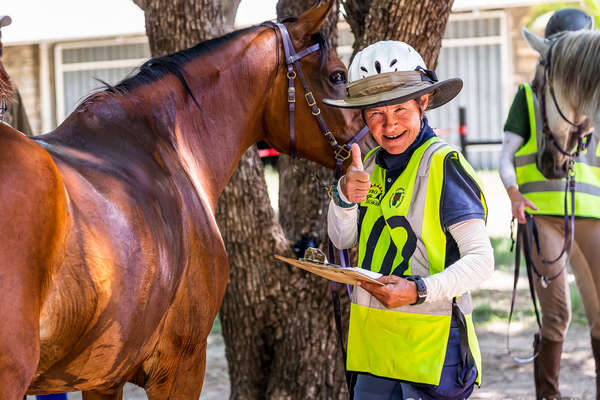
[311, 20]
[536, 42]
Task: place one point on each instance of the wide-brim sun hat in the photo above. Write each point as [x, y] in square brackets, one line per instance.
[392, 72]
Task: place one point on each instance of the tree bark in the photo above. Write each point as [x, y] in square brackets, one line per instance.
[179, 24]
[420, 23]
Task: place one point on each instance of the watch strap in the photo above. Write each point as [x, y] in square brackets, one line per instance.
[421, 288]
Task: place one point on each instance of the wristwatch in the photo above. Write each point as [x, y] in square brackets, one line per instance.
[421, 288]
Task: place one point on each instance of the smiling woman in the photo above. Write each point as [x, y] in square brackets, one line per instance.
[417, 213]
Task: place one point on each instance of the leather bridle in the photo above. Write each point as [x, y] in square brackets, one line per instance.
[292, 59]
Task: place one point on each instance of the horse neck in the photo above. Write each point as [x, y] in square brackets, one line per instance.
[231, 86]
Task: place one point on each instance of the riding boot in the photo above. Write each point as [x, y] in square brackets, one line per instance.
[596, 351]
[546, 368]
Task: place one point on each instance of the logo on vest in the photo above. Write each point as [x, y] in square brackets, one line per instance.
[374, 195]
[396, 198]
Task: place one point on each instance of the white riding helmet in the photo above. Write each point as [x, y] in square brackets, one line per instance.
[384, 56]
[393, 72]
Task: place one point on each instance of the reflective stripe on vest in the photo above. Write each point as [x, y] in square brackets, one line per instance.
[548, 194]
[401, 233]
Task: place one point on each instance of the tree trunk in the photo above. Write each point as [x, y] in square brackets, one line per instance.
[420, 23]
[277, 321]
[179, 24]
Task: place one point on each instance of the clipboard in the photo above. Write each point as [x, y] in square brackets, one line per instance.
[334, 272]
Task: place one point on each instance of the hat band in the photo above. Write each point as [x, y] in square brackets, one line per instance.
[385, 82]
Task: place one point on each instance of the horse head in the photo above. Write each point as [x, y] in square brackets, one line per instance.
[326, 77]
[566, 82]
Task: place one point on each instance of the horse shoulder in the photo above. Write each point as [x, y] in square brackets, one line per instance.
[34, 203]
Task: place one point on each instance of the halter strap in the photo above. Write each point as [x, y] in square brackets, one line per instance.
[3, 108]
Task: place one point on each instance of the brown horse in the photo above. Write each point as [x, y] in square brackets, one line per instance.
[112, 266]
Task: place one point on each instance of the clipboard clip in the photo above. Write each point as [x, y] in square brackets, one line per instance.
[315, 255]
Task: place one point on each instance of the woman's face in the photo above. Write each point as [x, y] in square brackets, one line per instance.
[395, 127]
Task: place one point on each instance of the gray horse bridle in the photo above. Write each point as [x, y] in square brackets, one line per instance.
[292, 59]
[581, 142]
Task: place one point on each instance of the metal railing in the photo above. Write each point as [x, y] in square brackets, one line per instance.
[462, 131]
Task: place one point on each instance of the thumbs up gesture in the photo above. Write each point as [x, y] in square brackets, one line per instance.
[356, 183]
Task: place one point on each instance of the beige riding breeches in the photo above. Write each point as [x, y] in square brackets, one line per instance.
[555, 300]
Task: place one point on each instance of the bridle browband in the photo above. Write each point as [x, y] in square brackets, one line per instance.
[292, 60]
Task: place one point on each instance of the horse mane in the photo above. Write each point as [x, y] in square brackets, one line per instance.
[575, 69]
[157, 67]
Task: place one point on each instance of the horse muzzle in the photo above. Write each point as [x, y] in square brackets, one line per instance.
[552, 164]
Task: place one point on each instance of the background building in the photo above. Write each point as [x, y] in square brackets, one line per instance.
[483, 45]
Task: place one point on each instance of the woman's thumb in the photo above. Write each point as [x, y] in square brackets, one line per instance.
[356, 157]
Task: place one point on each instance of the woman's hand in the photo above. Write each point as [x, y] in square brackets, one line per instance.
[519, 203]
[356, 183]
[395, 293]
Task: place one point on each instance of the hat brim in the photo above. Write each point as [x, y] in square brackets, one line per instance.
[441, 93]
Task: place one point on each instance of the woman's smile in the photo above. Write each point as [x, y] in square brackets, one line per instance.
[394, 137]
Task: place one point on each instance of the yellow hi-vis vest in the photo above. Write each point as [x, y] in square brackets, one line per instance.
[401, 232]
[548, 194]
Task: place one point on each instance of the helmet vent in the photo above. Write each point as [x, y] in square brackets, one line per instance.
[378, 67]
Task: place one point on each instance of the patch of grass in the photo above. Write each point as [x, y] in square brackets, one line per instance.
[216, 328]
[485, 313]
[578, 313]
[504, 259]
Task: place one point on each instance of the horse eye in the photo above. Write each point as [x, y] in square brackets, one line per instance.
[337, 77]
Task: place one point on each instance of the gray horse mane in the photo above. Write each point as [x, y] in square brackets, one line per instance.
[575, 70]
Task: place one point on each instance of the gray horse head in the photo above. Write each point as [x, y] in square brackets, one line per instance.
[574, 72]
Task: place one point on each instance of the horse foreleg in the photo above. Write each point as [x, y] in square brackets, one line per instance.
[19, 340]
[113, 394]
[181, 378]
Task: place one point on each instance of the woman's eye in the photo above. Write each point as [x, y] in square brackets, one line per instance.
[373, 115]
[337, 77]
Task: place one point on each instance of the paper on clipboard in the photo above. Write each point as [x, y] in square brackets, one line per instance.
[334, 272]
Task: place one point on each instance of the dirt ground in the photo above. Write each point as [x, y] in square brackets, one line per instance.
[502, 377]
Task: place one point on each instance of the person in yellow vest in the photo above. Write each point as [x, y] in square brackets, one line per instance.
[416, 211]
[529, 191]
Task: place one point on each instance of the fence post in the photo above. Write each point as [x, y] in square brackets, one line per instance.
[462, 130]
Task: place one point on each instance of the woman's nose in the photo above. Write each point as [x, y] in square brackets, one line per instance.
[390, 123]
